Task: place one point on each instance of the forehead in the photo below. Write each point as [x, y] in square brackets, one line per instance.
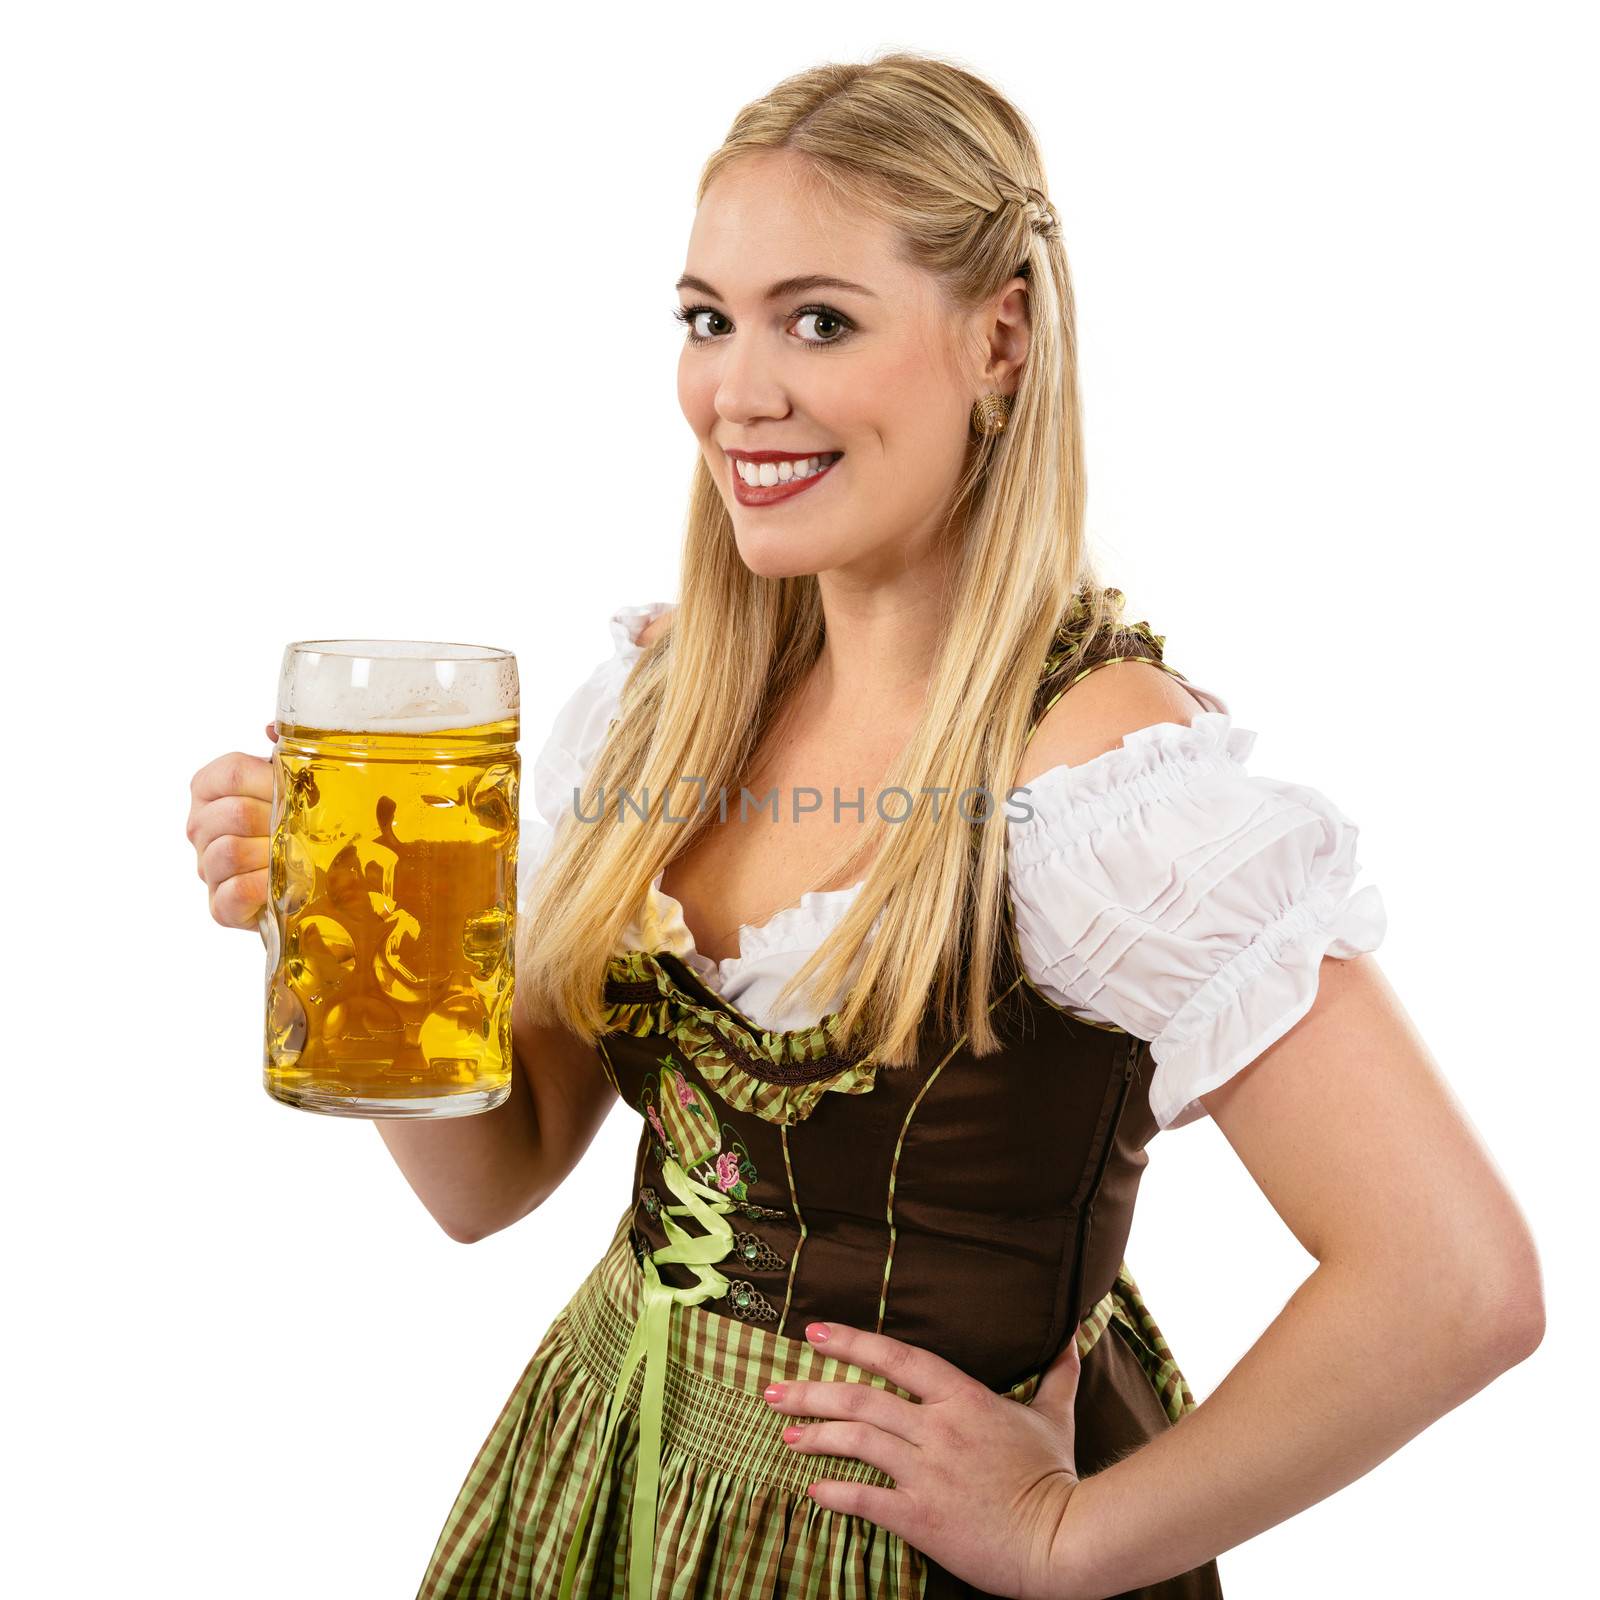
[768, 216]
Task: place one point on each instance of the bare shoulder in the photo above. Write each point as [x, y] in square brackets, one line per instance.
[655, 627]
[1096, 712]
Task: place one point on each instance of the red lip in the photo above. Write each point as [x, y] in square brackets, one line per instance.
[762, 495]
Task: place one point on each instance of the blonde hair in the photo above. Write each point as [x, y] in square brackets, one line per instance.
[953, 167]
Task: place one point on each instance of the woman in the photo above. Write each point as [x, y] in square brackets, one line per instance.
[896, 1069]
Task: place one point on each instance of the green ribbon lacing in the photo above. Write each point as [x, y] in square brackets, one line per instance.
[649, 1343]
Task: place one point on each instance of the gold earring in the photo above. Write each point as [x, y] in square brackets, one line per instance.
[990, 412]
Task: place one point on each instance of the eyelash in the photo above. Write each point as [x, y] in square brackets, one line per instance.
[687, 314]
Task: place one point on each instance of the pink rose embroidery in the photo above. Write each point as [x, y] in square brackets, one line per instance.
[655, 1122]
[685, 1093]
[727, 1170]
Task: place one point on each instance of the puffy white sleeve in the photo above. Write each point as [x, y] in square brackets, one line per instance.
[1163, 888]
[574, 741]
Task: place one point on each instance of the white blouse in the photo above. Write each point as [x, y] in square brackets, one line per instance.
[1159, 887]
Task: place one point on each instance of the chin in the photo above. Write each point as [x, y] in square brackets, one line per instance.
[772, 556]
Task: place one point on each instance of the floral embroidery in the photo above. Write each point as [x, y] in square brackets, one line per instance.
[687, 1129]
[730, 1168]
[650, 1113]
[684, 1125]
[681, 1088]
[690, 1123]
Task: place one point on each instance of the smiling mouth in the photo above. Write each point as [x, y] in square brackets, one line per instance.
[766, 474]
[759, 483]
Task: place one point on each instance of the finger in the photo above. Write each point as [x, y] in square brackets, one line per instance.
[854, 1402]
[889, 1508]
[1065, 1367]
[236, 816]
[232, 856]
[272, 731]
[234, 773]
[238, 901]
[858, 1441]
[921, 1372]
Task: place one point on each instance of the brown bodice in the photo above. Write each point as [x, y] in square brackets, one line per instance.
[978, 1207]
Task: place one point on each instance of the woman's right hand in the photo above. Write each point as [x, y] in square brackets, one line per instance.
[230, 827]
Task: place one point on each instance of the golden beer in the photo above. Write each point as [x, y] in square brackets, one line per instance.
[392, 895]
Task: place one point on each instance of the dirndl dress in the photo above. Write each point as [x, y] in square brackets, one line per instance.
[975, 1206]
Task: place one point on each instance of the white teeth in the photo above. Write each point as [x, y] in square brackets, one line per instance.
[767, 473]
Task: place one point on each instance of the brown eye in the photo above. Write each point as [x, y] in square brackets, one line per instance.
[829, 325]
[690, 315]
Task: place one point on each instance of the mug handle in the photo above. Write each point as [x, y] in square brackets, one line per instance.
[263, 921]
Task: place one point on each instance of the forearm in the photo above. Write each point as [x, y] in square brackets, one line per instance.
[1356, 1363]
[474, 1174]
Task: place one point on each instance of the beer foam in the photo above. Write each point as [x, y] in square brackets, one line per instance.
[395, 686]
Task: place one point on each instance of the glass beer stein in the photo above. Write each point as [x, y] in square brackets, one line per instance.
[392, 895]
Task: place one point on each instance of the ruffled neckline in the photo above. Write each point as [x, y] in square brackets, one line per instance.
[1149, 761]
[1162, 753]
[659, 926]
[802, 925]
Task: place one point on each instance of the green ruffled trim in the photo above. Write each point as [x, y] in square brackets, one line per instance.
[1111, 645]
[1072, 632]
[775, 1075]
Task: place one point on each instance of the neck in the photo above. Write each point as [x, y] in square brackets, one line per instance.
[880, 639]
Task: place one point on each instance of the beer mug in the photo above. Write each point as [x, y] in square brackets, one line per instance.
[392, 897]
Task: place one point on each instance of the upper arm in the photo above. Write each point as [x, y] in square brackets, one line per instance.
[571, 1096]
[1344, 1121]
[1094, 714]
[1358, 1143]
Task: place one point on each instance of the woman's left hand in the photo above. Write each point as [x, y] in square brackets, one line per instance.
[981, 1481]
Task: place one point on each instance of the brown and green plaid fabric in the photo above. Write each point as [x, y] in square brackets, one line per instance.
[1139, 1328]
[734, 1517]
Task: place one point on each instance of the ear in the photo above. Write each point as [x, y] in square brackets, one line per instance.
[1009, 334]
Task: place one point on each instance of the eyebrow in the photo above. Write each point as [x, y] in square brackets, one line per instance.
[784, 287]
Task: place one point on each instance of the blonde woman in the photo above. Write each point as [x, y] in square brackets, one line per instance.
[899, 1051]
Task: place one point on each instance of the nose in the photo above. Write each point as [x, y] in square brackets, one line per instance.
[749, 384]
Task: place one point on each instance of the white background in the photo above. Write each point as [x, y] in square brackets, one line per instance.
[345, 319]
